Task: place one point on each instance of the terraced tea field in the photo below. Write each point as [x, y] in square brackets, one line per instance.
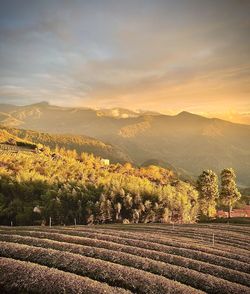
[139, 258]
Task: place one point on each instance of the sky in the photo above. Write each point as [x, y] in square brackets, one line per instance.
[163, 55]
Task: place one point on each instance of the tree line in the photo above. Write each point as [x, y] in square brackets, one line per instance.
[68, 187]
[210, 196]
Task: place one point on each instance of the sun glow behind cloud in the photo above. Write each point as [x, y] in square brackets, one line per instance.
[166, 56]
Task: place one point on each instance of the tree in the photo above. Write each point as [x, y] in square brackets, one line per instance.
[229, 193]
[67, 187]
[207, 185]
[105, 209]
[118, 208]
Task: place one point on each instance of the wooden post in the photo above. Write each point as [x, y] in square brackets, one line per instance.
[213, 239]
[75, 221]
[50, 222]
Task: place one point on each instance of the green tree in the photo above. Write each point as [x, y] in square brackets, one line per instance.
[207, 185]
[229, 193]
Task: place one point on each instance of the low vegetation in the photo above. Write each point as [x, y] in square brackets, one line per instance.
[181, 274]
[113, 274]
[26, 277]
[129, 257]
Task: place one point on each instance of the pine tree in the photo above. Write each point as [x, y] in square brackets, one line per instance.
[229, 193]
[207, 185]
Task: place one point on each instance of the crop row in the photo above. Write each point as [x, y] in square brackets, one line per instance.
[221, 238]
[173, 240]
[142, 243]
[26, 277]
[222, 251]
[237, 238]
[228, 230]
[240, 229]
[220, 242]
[205, 282]
[235, 253]
[104, 271]
[217, 271]
[228, 253]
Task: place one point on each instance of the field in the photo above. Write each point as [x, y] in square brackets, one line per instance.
[157, 258]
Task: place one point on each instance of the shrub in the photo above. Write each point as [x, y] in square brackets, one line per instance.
[113, 274]
[203, 267]
[25, 277]
[208, 283]
[141, 241]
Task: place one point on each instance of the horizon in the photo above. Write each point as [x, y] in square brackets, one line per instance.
[231, 117]
[91, 54]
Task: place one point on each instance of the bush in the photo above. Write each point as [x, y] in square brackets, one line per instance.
[207, 283]
[141, 242]
[113, 274]
[25, 277]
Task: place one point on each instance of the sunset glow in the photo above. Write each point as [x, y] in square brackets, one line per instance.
[166, 56]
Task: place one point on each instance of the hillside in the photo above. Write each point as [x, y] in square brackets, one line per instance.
[187, 141]
[72, 142]
[66, 186]
[10, 141]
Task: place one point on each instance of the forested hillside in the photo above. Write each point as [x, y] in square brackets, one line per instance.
[38, 183]
[71, 188]
[79, 143]
[9, 139]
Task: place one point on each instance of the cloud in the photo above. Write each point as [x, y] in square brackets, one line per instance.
[190, 54]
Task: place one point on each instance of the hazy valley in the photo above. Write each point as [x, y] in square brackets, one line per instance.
[188, 142]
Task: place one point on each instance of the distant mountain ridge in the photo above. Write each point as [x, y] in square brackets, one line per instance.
[187, 141]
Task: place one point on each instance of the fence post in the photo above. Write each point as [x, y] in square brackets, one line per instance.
[50, 222]
[75, 221]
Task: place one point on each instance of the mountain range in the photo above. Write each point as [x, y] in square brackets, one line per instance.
[187, 141]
